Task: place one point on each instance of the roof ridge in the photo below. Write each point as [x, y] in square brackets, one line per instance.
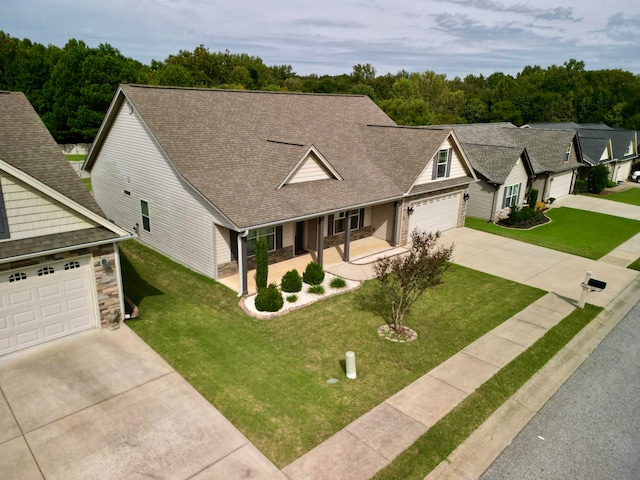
[234, 90]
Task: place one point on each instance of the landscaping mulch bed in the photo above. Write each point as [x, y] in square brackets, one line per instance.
[532, 222]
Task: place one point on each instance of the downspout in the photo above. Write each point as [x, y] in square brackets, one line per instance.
[242, 263]
[116, 251]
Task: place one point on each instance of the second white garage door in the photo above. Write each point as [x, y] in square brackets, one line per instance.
[560, 185]
[44, 302]
[433, 214]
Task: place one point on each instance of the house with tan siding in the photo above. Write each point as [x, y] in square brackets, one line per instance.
[201, 174]
[59, 266]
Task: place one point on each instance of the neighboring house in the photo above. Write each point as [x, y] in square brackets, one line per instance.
[59, 267]
[510, 161]
[201, 174]
[602, 145]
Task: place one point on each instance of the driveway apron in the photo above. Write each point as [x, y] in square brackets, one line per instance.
[105, 405]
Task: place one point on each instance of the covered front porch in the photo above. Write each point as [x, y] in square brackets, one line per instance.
[363, 253]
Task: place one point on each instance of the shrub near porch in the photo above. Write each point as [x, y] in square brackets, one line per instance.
[270, 377]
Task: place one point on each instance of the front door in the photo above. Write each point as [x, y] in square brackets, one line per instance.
[300, 238]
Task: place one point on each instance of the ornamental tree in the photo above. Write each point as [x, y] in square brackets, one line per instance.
[405, 277]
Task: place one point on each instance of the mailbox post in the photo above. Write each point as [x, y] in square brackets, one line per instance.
[590, 285]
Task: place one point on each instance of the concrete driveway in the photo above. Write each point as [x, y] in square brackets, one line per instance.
[539, 267]
[104, 405]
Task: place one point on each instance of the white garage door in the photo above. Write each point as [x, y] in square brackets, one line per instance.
[44, 302]
[623, 172]
[438, 213]
[560, 185]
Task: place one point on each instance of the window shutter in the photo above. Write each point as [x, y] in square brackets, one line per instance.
[434, 172]
[278, 237]
[449, 155]
[4, 224]
[233, 240]
[361, 222]
[330, 225]
[504, 199]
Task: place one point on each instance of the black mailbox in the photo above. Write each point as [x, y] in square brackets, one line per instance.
[599, 284]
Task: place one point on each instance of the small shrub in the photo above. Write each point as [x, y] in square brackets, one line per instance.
[581, 186]
[533, 198]
[292, 298]
[598, 178]
[262, 263]
[519, 215]
[291, 281]
[269, 299]
[337, 282]
[317, 289]
[313, 274]
[540, 206]
[611, 184]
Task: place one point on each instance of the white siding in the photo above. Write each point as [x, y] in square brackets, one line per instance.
[382, 221]
[181, 222]
[288, 234]
[481, 198]
[310, 170]
[223, 245]
[31, 213]
[518, 175]
[457, 165]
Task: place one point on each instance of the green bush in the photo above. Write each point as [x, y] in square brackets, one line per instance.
[337, 282]
[533, 198]
[581, 186]
[598, 179]
[313, 274]
[292, 298]
[262, 263]
[269, 299]
[519, 215]
[291, 281]
[317, 289]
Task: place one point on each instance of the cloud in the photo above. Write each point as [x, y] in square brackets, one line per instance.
[327, 23]
[557, 13]
[623, 29]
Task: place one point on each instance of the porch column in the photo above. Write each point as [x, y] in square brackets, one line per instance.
[347, 235]
[242, 263]
[320, 239]
[394, 233]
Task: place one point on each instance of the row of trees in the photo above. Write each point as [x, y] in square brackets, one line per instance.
[71, 87]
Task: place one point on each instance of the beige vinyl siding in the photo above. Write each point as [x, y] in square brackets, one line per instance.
[457, 165]
[382, 221]
[32, 214]
[288, 234]
[181, 222]
[310, 170]
[223, 245]
[540, 184]
[481, 198]
[518, 175]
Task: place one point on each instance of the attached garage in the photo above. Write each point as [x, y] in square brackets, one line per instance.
[623, 171]
[437, 213]
[560, 185]
[47, 301]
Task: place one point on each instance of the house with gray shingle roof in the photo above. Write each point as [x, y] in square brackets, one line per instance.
[602, 145]
[59, 267]
[201, 174]
[510, 161]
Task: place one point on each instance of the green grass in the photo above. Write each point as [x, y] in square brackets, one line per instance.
[270, 377]
[75, 158]
[631, 196]
[635, 265]
[579, 232]
[87, 183]
[436, 445]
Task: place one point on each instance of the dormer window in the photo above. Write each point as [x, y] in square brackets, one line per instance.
[567, 154]
[442, 164]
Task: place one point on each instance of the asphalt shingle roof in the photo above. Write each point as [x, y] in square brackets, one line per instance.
[26, 144]
[237, 147]
[493, 162]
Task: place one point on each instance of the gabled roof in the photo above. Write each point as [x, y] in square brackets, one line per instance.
[545, 147]
[238, 148]
[493, 162]
[29, 154]
[26, 144]
[593, 148]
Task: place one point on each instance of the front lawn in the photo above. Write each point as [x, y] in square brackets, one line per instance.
[635, 265]
[270, 377]
[579, 232]
[631, 196]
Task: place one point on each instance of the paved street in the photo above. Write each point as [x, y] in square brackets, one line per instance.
[590, 427]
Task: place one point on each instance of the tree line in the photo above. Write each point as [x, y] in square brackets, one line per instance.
[71, 87]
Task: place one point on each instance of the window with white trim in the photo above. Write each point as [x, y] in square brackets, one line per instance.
[511, 195]
[339, 221]
[268, 234]
[71, 265]
[567, 155]
[144, 210]
[45, 271]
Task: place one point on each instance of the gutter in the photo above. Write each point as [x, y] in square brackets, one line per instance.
[66, 249]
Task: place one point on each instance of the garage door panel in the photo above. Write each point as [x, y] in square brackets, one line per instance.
[560, 185]
[37, 309]
[439, 213]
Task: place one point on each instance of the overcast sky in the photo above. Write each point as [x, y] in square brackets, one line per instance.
[454, 37]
